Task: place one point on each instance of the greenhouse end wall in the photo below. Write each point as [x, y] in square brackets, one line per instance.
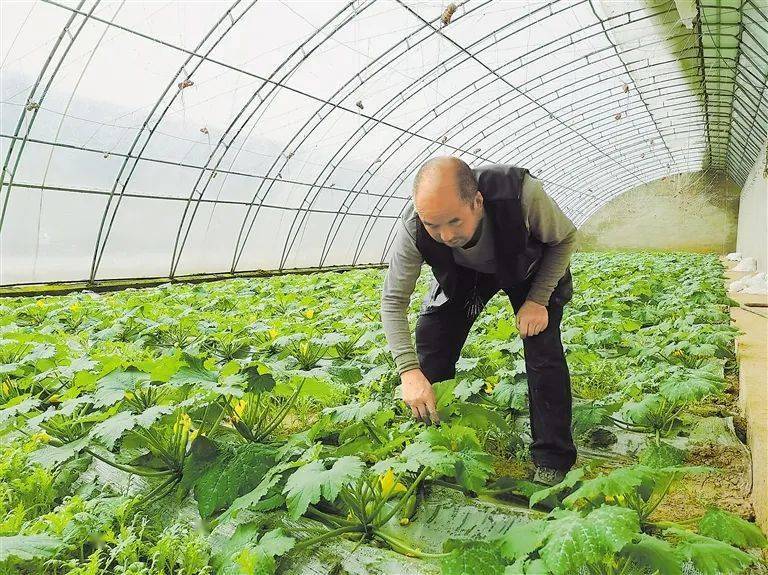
[753, 213]
[690, 212]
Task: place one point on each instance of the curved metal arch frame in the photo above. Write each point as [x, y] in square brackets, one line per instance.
[241, 241]
[754, 111]
[273, 90]
[584, 213]
[632, 127]
[399, 99]
[517, 113]
[596, 198]
[736, 70]
[694, 168]
[180, 164]
[34, 112]
[762, 94]
[147, 135]
[479, 110]
[385, 154]
[491, 72]
[227, 66]
[93, 192]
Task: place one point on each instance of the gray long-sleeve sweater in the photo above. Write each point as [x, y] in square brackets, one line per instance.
[544, 220]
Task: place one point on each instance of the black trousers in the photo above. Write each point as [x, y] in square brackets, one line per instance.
[442, 329]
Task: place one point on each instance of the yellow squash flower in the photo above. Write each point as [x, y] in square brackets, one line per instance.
[240, 408]
[43, 437]
[309, 314]
[388, 485]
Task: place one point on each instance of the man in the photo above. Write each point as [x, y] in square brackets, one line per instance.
[481, 230]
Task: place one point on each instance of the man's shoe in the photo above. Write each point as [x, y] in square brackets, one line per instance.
[548, 475]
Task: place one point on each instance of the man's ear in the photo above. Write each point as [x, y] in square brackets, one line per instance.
[478, 200]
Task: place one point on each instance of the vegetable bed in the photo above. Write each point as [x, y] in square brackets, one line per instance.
[253, 426]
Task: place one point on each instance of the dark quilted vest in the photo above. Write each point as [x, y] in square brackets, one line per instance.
[517, 252]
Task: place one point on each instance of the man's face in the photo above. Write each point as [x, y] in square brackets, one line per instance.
[446, 217]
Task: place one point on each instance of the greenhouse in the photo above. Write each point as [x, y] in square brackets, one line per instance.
[405, 287]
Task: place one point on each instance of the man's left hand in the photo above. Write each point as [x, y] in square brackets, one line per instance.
[532, 318]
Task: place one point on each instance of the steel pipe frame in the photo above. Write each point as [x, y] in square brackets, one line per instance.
[146, 133]
[501, 143]
[191, 54]
[183, 165]
[765, 79]
[590, 208]
[327, 250]
[498, 99]
[91, 192]
[358, 192]
[178, 248]
[395, 223]
[493, 72]
[233, 68]
[631, 127]
[291, 145]
[398, 99]
[620, 185]
[38, 100]
[474, 83]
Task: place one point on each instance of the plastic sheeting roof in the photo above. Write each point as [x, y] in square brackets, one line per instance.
[149, 139]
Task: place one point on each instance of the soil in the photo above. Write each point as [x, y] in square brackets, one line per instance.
[728, 488]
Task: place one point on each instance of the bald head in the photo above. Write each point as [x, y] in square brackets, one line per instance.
[443, 175]
[447, 200]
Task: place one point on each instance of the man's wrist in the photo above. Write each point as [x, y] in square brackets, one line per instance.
[538, 296]
[406, 362]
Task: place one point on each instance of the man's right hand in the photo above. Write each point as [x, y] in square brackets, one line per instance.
[419, 395]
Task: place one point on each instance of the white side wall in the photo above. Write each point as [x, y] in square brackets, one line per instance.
[752, 235]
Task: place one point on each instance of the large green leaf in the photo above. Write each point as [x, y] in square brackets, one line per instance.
[480, 417]
[731, 529]
[522, 539]
[18, 405]
[574, 541]
[682, 389]
[710, 556]
[112, 429]
[260, 497]
[353, 411]
[626, 480]
[472, 558]
[455, 450]
[571, 478]
[50, 456]
[230, 475]
[657, 555]
[112, 387]
[245, 553]
[309, 483]
[26, 547]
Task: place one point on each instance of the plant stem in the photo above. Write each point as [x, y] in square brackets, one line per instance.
[404, 498]
[373, 432]
[402, 547]
[281, 413]
[328, 517]
[333, 533]
[128, 469]
[650, 508]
